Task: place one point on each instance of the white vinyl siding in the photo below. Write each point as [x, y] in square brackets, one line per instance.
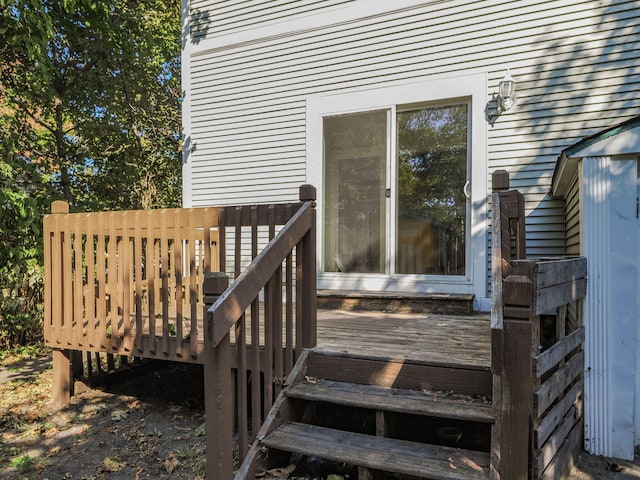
[572, 207]
[575, 64]
[215, 17]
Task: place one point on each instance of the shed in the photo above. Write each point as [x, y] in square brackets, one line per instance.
[598, 177]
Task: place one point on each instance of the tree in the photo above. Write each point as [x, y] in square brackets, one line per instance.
[89, 112]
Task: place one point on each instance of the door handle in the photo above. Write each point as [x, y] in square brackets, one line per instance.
[465, 189]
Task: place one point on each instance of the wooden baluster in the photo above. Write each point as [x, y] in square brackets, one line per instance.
[138, 272]
[241, 351]
[256, 394]
[217, 388]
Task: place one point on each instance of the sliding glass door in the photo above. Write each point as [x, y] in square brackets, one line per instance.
[395, 191]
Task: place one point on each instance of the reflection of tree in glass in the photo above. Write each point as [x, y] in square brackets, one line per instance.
[432, 151]
[432, 166]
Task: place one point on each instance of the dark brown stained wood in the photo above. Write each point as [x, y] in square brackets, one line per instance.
[517, 291]
[395, 400]
[500, 180]
[550, 298]
[554, 416]
[279, 215]
[516, 400]
[289, 332]
[553, 355]
[550, 390]
[244, 290]
[551, 271]
[256, 365]
[217, 389]
[62, 377]
[564, 461]
[386, 454]
[400, 374]
[555, 441]
[281, 411]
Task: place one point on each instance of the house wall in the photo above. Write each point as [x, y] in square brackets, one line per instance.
[246, 87]
[572, 216]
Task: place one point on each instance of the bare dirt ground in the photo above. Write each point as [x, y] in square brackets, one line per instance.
[147, 425]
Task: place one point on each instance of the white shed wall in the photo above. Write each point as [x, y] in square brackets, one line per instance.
[574, 63]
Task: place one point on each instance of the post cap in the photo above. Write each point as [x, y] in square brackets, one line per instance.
[215, 283]
[307, 193]
[500, 180]
[59, 206]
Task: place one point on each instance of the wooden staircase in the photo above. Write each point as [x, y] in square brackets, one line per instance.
[377, 419]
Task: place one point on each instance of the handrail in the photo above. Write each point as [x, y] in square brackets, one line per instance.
[235, 300]
[263, 363]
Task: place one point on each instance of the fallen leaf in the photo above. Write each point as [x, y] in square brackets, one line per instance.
[111, 465]
[614, 467]
[471, 464]
[282, 472]
[119, 415]
[201, 430]
[313, 380]
[170, 463]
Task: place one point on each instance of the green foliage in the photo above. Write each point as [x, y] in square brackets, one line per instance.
[89, 112]
[24, 464]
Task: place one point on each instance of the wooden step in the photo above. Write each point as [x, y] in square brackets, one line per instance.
[444, 405]
[396, 302]
[378, 453]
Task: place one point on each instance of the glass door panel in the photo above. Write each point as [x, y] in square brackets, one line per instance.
[355, 165]
[432, 173]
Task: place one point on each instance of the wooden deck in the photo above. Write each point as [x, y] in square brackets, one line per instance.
[451, 340]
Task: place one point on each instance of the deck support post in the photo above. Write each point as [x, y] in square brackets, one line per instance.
[62, 376]
[217, 387]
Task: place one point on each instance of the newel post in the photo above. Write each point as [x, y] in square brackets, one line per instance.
[308, 275]
[520, 340]
[65, 362]
[217, 387]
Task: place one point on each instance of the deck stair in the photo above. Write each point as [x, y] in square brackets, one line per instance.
[377, 418]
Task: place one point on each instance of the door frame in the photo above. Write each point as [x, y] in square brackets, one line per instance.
[471, 88]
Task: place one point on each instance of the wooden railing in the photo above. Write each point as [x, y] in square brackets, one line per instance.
[129, 282]
[268, 335]
[537, 350]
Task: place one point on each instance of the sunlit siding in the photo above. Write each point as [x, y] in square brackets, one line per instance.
[575, 63]
[209, 18]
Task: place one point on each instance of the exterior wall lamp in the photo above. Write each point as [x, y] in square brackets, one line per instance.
[507, 93]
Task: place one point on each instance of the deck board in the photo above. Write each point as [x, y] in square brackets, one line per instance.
[443, 339]
[425, 338]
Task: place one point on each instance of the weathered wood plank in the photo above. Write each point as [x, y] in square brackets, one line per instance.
[555, 441]
[401, 374]
[400, 456]
[550, 390]
[548, 359]
[395, 400]
[550, 421]
[516, 400]
[549, 298]
[564, 461]
[552, 271]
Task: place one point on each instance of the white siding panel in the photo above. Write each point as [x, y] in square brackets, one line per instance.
[210, 18]
[575, 63]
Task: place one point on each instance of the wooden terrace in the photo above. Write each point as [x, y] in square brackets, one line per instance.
[407, 396]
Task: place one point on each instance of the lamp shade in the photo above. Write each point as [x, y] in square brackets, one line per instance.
[507, 92]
